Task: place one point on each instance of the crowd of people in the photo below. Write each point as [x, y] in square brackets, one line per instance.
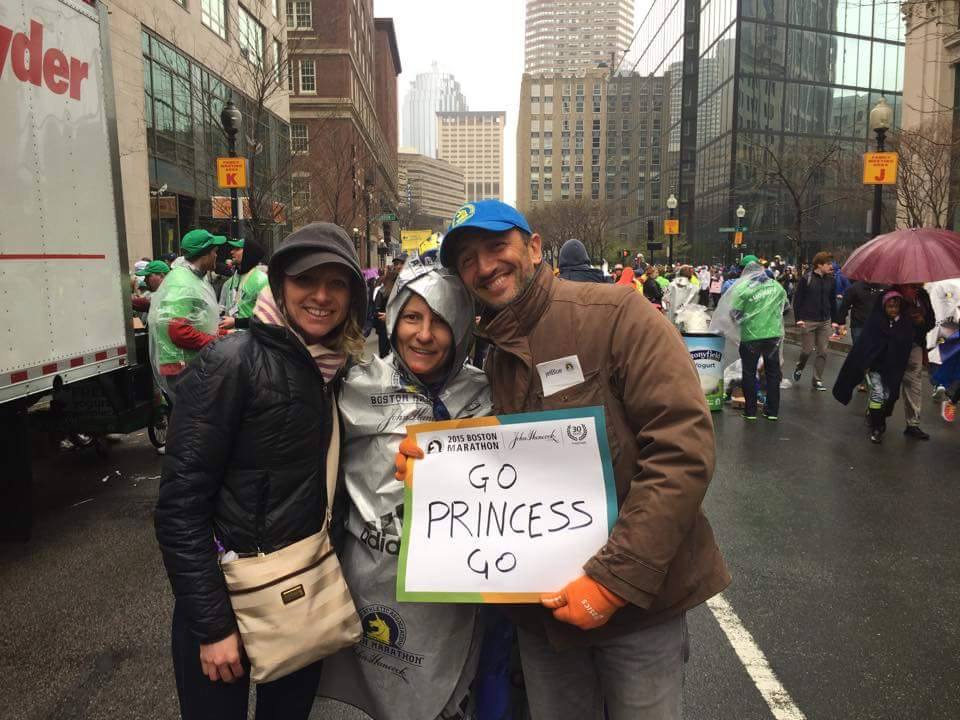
[822, 303]
[284, 430]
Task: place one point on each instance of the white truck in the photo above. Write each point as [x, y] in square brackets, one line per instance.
[65, 325]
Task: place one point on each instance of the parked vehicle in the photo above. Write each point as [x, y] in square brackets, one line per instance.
[69, 360]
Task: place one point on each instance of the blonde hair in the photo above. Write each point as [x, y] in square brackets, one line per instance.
[350, 341]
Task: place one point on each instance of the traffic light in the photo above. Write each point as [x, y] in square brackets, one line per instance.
[649, 231]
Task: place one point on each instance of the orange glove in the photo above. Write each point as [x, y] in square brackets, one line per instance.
[408, 449]
[583, 602]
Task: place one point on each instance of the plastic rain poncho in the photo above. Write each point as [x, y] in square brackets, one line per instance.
[414, 658]
[183, 294]
[945, 299]
[679, 293]
[752, 309]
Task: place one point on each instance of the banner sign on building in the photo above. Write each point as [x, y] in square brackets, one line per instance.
[411, 240]
[880, 168]
[232, 172]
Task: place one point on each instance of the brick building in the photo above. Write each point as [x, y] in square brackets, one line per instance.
[343, 118]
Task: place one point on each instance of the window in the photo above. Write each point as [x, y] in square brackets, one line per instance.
[250, 37]
[301, 191]
[299, 14]
[213, 15]
[275, 4]
[308, 76]
[290, 75]
[299, 142]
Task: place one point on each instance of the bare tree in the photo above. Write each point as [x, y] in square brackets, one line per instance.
[337, 163]
[587, 221]
[812, 174]
[928, 160]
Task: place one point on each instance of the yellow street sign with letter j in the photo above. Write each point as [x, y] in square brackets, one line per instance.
[232, 172]
[880, 168]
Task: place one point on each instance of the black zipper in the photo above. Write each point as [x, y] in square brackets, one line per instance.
[278, 580]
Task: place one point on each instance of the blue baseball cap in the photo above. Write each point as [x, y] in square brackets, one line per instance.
[490, 215]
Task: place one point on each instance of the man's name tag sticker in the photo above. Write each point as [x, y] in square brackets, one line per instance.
[559, 374]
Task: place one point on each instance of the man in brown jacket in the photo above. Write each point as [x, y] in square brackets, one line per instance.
[616, 636]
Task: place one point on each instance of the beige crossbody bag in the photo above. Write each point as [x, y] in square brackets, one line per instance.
[293, 606]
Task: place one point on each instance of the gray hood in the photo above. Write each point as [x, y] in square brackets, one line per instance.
[447, 297]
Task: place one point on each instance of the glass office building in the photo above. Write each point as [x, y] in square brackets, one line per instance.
[664, 52]
[770, 99]
[182, 102]
[784, 94]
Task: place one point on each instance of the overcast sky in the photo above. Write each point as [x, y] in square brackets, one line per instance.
[480, 43]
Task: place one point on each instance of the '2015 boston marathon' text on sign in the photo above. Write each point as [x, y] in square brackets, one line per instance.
[502, 509]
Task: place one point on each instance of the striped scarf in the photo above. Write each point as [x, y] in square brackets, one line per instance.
[267, 312]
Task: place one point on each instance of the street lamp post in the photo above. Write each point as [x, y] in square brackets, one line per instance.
[230, 119]
[672, 208]
[741, 214]
[356, 240]
[880, 119]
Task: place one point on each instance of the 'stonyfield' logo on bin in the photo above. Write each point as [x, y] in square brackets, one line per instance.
[714, 355]
[31, 63]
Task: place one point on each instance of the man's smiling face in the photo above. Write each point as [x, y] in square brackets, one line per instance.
[497, 267]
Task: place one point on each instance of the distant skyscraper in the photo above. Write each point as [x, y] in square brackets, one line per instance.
[570, 36]
[473, 142]
[430, 93]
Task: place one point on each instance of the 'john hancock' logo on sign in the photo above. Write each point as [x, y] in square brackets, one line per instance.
[577, 433]
[714, 355]
[434, 446]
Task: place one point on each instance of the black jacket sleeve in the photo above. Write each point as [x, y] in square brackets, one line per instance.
[849, 297]
[207, 410]
[799, 296]
[835, 310]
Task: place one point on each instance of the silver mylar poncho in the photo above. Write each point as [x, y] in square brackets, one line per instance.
[415, 659]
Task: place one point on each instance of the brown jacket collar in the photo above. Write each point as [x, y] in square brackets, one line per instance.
[510, 328]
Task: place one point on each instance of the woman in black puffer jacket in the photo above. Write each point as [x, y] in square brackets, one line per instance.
[245, 463]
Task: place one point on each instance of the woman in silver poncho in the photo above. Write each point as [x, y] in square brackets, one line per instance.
[416, 660]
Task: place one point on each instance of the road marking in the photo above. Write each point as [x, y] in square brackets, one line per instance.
[753, 659]
[82, 502]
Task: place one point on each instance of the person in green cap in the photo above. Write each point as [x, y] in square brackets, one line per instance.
[229, 290]
[184, 312]
[153, 274]
[251, 278]
[755, 304]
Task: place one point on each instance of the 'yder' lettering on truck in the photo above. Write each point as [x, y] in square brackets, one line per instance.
[30, 63]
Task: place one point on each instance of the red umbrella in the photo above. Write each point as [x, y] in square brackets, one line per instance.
[909, 255]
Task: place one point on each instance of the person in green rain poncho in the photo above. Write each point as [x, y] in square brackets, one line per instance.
[251, 279]
[184, 313]
[753, 307]
[230, 288]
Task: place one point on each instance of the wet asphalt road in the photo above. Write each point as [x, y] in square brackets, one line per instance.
[845, 556]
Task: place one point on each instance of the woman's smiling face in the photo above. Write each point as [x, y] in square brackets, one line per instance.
[423, 340]
[317, 300]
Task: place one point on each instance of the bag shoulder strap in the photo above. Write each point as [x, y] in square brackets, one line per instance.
[333, 457]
